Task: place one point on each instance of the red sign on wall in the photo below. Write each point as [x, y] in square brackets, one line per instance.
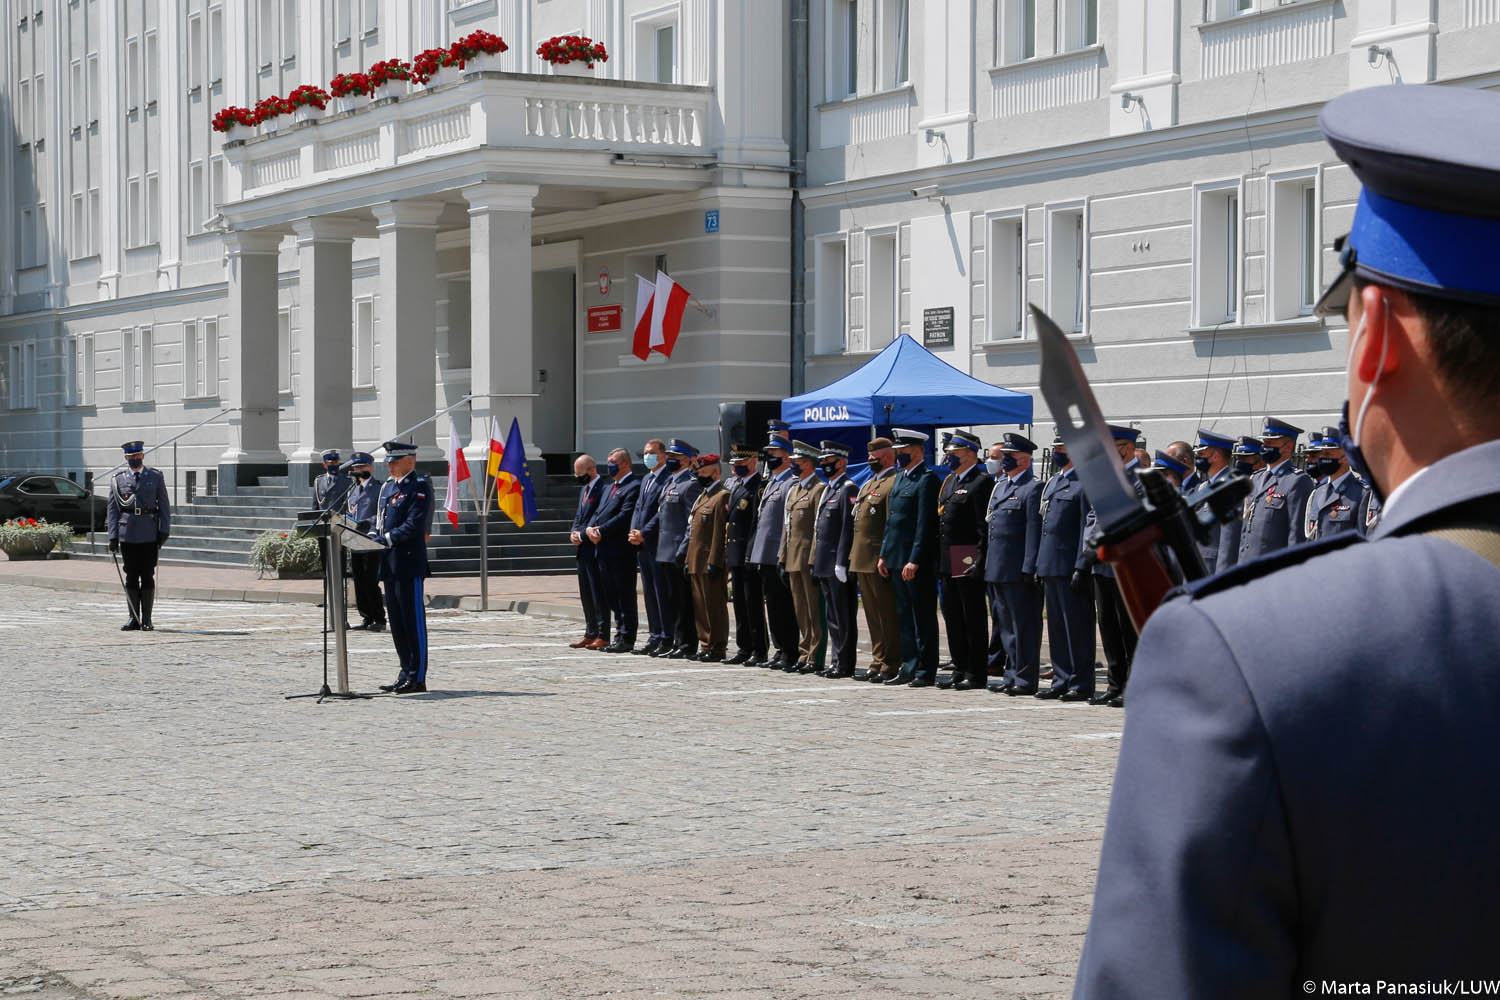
[605, 319]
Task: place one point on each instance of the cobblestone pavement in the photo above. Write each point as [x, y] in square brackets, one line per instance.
[544, 823]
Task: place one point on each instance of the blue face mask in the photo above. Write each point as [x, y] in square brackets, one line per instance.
[612, 469]
[903, 459]
[952, 461]
[652, 459]
[1008, 463]
[1243, 468]
[135, 462]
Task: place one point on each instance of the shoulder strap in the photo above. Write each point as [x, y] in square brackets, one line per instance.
[1481, 539]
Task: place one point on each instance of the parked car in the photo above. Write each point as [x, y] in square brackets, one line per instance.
[51, 498]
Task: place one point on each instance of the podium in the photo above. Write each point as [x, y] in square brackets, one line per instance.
[342, 534]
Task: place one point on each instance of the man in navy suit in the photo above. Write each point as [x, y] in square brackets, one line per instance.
[645, 524]
[1014, 536]
[1070, 606]
[609, 530]
[1290, 814]
[401, 521]
[590, 586]
[909, 555]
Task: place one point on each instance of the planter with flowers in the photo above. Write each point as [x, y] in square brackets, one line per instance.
[269, 110]
[235, 122]
[288, 555]
[28, 538]
[572, 55]
[436, 67]
[308, 102]
[348, 90]
[480, 51]
[390, 78]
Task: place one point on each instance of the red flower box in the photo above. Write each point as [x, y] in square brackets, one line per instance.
[231, 116]
[572, 48]
[350, 85]
[388, 70]
[309, 96]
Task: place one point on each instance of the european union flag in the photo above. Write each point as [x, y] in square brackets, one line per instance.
[513, 489]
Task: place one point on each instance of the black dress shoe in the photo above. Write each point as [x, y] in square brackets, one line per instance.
[411, 687]
[743, 656]
[360, 627]
[1118, 701]
[147, 627]
[895, 679]
[619, 646]
[945, 685]
[131, 626]
[968, 684]
[680, 653]
[1049, 694]
[811, 668]
[710, 657]
[921, 682]
[377, 626]
[835, 674]
[776, 662]
[1109, 695]
[662, 649]
[1006, 688]
[1072, 695]
[392, 687]
[1019, 692]
[793, 666]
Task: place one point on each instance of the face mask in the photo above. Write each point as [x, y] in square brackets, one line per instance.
[652, 460]
[951, 461]
[672, 465]
[1350, 441]
[1319, 467]
[1061, 458]
[1270, 455]
[1008, 463]
[612, 469]
[903, 459]
[582, 480]
[829, 469]
[992, 465]
[1201, 464]
[364, 474]
[705, 481]
[742, 471]
[1243, 468]
[135, 463]
[331, 466]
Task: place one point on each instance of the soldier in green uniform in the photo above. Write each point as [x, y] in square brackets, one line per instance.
[909, 557]
[797, 557]
[860, 554]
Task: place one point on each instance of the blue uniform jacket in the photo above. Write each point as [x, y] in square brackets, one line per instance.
[1064, 511]
[1211, 548]
[140, 509]
[401, 521]
[1334, 507]
[363, 500]
[613, 515]
[1015, 528]
[330, 490]
[766, 544]
[1289, 813]
[648, 509]
[1273, 512]
[739, 528]
[676, 515]
[911, 522]
[835, 510]
[1085, 554]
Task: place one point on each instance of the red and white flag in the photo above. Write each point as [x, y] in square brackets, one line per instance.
[668, 305]
[458, 471]
[645, 290]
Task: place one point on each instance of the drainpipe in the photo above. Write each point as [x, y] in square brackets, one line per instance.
[799, 99]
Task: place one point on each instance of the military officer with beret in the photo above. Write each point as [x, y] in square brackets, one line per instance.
[705, 560]
[1116, 633]
[765, 549]
[1070, 606]
[671, 545]
[1278, 495]
[829, 562]
[401, 520]
[362, 506]
[908, 557]
[1013, 539]
[743, 507]
[139, 517]
[1238, 859]
[963, 500]
[864, 534]
[802, 500]
[1212, 461]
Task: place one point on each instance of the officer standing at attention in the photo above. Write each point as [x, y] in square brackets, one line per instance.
[1335, 502]
[1070, 607]
[743, 507]
[796, 558]
[1278, 495]
[362, 506]
[671, 545]
[1116, 633]
[609, 530]
[1182, 453]
[705, 561]
[1176, 471]
[765, 550]
[830, 563]
[908, 558]
[1246, 455]
[644, 527]
[1014, 538]
[331, 492]
[863, 534]
[401, 522]
[140, 519]
[1211, 461]
[1237, 859]
[962, 501]
[590, 587]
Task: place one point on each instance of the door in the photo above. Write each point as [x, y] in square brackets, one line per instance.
[555, 358]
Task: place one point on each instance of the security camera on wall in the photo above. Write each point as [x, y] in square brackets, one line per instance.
[925, 191]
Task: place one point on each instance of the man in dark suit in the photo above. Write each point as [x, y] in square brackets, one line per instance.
[1291, 817]
[1182, 453]
[644, 527]
[1069, 600]
[840, 596]
[609, 530]
[671, 546]
[590, 587]
[401, 521]
[749, 606]
[962, 501]
[363, 505]
[1015, 535]
[909, 555]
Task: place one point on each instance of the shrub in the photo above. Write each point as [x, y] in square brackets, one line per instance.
[285, 552]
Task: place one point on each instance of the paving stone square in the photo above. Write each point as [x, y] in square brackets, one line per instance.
[543, 823]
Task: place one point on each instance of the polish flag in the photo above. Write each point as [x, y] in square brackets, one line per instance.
[669, 303]
[645, 291]
[497, 450]
[458, 471]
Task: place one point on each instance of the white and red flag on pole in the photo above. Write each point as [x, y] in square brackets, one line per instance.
[645, 291]
[659, 306]
[458, 471]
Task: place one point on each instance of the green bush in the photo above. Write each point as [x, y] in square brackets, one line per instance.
[285, 552]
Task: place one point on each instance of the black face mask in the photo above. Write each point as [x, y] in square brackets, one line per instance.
[582, 480]
[1322, 467]
[672, 464]
[1270, 455]
[332, 467]
[952, 461]
[742, 471]
[363, 474]
[1201, 464]
[706, 481]
[1009, 463]
[829, 469]
[1060, 458]
[1243, 468]
[136, 462]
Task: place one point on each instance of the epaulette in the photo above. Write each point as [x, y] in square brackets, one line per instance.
[1264, 565]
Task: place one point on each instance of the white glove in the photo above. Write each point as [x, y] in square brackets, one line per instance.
[842, 572]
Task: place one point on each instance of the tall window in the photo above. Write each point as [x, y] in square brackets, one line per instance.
[137, 365]
[1005, 257]
[80, 369]
[364, 343]
[153, 68]
[1293, 244]
[195, 57]
[894, 32]
[656, 45]
[882, 291]
[197, 197]
[1080, 24]
[832, 294]
[200, 357]
[1067, 267]
[23, 375]
[843, 49]
[284, 351]
[666, 54]
[132, 74]
[1231, 211]
[215, 45]
[1217, 250]
[1026, 29]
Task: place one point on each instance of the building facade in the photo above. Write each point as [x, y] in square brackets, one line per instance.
[1148, 171]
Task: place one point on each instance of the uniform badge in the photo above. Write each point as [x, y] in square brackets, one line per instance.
[874, 510]
[744, 504]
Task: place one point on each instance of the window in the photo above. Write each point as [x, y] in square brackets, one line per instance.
[656, 48]
[265, 28]
[153, 209]
[195, 67]
[1067, 267]
[132, 74]
[153, 68]
[1026, 29]
[200, 358]
[197, 193]
[94, 99]
[882, 291]
[1015, 30]
[78, 245]
[137, 365]
[831, 289]
[23, 375]
[666, 54]
[215, 45]
[96, 220]
[364, 343]
[289, 31]
[1080, 24]
[1294, 244]
[1217, 253]
[284, 351]
[80, 369]
[343, 21]
[1005, 256]
[372, 16]
[217, 190]
[77, 96]
[843, 49]
[894, 42]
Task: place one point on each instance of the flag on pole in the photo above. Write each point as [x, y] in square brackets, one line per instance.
[497, 450]
[458, 471]
[513, 490]
[668, 305]
[645, 289]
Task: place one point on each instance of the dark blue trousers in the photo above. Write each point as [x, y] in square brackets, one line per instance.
[617, 574]
[998, 653]
[650, 589]
[591, 593]
[1070, 636]
[1021, 624]
[408, 621]
[916, 614]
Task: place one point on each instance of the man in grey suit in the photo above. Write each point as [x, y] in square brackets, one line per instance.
[677, 499]
[1246, 455]
[1293, 817]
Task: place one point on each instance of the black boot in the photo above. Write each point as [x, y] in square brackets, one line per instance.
[148, 598]
[133, 599]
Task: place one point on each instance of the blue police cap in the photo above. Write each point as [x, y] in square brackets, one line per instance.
[677, 446]
[778, 427]
[1211, 439]
[964, 439]
[1247, 446]
[1276, 427]
[1122, 433]
[399, 449]
[361, 458]
[1430, 205]
[1165, 461]
[134, 447]
[331, 455]
[1010, 441]
[780, 441]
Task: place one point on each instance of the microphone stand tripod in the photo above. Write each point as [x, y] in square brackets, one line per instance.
[333, 617]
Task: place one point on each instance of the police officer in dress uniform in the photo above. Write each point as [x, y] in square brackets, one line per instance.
[590, 586]
[1333, 506]
[1278, 495]
[765, 549]
[1176, 471]
[705, 560]
[140, 519]
[1014, 538]
[1212, 462]
[1182, 453]
[962, 501]
[644, 528]
[743, 506]
[609, 530]
[401, 521]
[331, 492]
[1246, 455]
[1116, 633]
[671, 545]
[837, 588]
[864, 533]
[796, 558]
[1325, 814]
[1070, 608]
[909, 555]
[362, 504]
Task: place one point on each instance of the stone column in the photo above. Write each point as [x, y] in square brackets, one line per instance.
[252, 362]
[500, 307]
[325, 339]
[407, 312]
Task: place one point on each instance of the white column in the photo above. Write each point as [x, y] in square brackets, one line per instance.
[407, 382]
[111, 131]
[170, 88]
[500, 307]
[252, 360]
[325, 339]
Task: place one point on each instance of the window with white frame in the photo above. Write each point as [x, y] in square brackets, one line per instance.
[1067, 267]
[893, 41]
[656, 46]
[80, 369]
[1293, 244]
[1015, 30]
[152, 231]
[1080, 24]
[217, 190]
[266, 34]
[137, 365]
[364, 343]
[284, 351]
[371, 22]
[215, 45]
[289, 30]
[77, 96]
[1218, 10]
[882, 289]
[831, 289]
[343, 21]
[196, 63]
[22, 375]
[197, 196]
[152, 69]
[132, 74]
[200, 357]
[843, 49]
[1217, 253]
[1005, 261]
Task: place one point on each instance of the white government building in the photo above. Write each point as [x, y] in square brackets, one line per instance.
[1149, 170]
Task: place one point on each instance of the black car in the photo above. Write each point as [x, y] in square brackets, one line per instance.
[51, 498]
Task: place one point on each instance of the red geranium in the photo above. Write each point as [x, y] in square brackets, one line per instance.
[479, 43]
[427, 63]
[272, 107]
[350, 84]
[389, 69]
[308, 95]
[572, 48]
[232, 115]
